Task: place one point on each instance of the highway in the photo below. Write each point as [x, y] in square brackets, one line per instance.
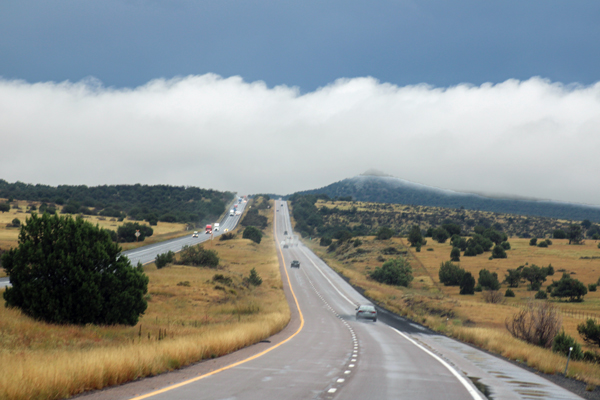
[328, 354]
[148, 253]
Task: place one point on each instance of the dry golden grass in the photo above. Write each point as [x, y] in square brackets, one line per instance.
[202, 320]
[469, 318]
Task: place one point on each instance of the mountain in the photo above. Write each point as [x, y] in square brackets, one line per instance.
[377, 187]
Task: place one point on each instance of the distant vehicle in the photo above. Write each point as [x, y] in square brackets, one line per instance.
[231, 212]
[238, 213]
[208, 229]
[235, 206]
[195, 234]
[240, 200]
[295, 264]
[285, 232]
[216, 227]
[285, 246]
[281, 204]
[367, 312]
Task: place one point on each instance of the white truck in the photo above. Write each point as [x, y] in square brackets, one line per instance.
[216, 226]
[231, 212]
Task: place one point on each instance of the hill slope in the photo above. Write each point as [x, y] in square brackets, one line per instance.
[381, 188]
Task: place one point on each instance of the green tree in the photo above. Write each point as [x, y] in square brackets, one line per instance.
[535, 275]
[590, 331]
[533, 242]
[384, 233]
[467, 284]
[16, 222]
[488, 280]
[253, 234]
[4, 207]
[254, 279]
[394, 272]
[513, 277]
[450, 274]
[162, 260]
[455, 254]
[559, 234]
[498, 252]
[569, 287]
[70, 271]
[575, 234]
[440, 235]
[414, 236]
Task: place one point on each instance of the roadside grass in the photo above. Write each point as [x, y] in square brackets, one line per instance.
[470, 318]
[189, 318]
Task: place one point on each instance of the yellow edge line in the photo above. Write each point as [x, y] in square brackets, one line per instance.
[168, 388]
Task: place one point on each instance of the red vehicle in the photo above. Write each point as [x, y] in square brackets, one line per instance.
[208, 229]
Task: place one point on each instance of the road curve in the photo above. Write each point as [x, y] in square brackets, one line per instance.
[325, 353]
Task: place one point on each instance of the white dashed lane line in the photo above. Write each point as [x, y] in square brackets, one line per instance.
[353, 357]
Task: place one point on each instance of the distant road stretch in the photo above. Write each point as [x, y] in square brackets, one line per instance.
[147, 254]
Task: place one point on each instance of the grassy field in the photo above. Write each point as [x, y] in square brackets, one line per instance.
[470, 318]
[190, 317]
[9, 235]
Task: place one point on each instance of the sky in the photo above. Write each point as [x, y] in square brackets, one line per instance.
[277, 97]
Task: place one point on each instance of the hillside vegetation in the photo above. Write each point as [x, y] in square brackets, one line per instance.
[162, 203]
[387, 189]
[359, 239]
[194, 313]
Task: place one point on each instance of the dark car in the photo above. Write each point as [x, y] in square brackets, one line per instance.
[285, 232]
[295, 264]
[366, 311]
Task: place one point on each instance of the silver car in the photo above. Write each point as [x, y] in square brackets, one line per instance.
[366, 311]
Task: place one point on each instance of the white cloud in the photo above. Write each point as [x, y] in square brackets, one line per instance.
[529, 138]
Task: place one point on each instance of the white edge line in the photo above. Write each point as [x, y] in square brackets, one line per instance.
[474, 394]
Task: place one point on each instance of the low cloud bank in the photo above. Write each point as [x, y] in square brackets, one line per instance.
[529, 138]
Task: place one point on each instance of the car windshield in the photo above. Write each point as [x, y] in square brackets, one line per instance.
[366, 308]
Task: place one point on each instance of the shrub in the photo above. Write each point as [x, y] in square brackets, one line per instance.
[569, 287]
[384, 233]
[488, 280]
[549, 242]
[450, 274]
[498, 252]
[357, 242]
[415, 238]
[163, 259]
[478, 288]
[396, 272]
[440, 235]
[513, 277]
[559, 234]
[505, 245]
[198, 256]
[493, 296]
[126, 232]
[253, 234]
[542, 244]
[537, 323]
[535, 275]
[98, 285]
[467, 284]
[590, 331]
[16, 223]
[227, 236]
[220, 278]
[254, 279]
[455, 254]
[325, 241]
[533, 242]
[541, 295]
[4, 207]
[592, 287]
[509, 293]
[561, 344]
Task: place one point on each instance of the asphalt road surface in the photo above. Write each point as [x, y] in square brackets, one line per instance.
[325, 353]
[147, 254]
